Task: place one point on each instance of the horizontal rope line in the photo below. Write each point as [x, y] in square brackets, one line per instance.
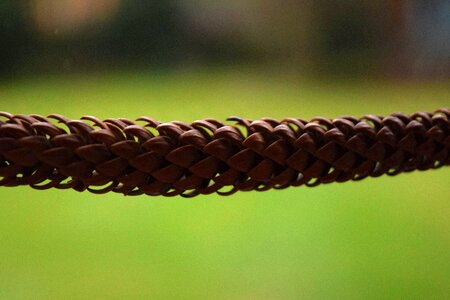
[175, 158]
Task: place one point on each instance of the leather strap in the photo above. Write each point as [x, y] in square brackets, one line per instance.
[207, 156]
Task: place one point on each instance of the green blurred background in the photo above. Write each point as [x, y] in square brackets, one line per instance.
[383, 238]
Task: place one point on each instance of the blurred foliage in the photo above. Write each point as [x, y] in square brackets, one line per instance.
[313, 37]
[13, 35]
[351, 41]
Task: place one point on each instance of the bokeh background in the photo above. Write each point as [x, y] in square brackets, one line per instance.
[384, 238]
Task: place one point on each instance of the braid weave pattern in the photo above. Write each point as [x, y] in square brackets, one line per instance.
[207, 156]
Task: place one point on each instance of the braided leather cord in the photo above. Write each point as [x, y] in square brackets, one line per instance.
[207, 156]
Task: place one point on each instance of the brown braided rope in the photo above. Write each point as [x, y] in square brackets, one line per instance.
[209, 156]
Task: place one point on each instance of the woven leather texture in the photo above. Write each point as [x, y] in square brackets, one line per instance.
[207, 156]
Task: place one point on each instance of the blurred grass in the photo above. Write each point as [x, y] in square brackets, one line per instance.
[384, 238]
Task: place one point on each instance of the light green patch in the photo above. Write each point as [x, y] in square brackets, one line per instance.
[384, 238]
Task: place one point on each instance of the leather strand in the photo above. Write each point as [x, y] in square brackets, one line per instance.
[207, 156]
